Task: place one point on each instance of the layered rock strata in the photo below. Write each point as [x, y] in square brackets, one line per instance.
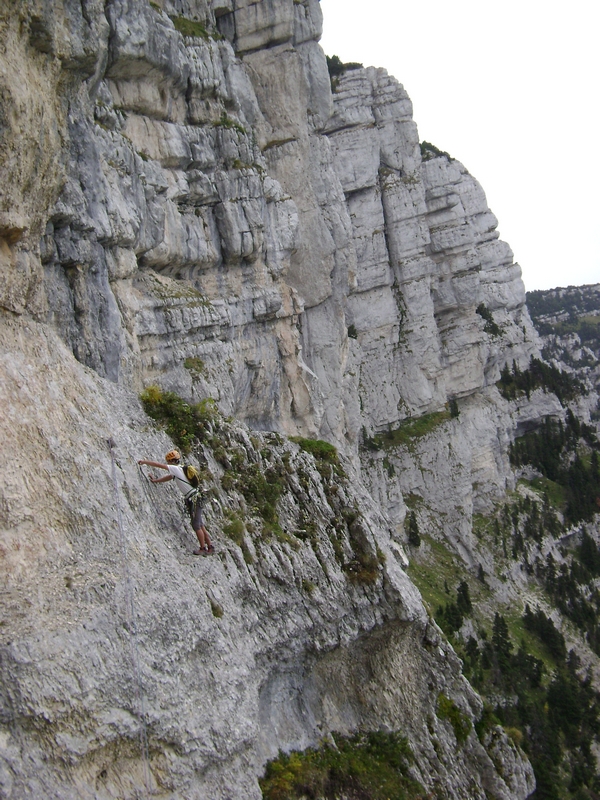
[283, 213]
[185, 202]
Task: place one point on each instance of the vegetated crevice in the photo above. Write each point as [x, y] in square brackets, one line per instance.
[268, 485]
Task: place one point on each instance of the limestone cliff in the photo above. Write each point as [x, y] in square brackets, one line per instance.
[185, 202]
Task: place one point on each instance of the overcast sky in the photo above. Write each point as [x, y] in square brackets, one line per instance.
[511, 90]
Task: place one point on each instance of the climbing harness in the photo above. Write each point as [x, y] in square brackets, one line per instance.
[195, 498]
[131, 625]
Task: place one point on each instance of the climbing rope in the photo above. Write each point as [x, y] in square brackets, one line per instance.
[131, 626]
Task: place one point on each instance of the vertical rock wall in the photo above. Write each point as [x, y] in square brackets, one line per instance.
[218, 202]
[184, 201]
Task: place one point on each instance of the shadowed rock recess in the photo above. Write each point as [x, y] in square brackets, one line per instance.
[186, 204]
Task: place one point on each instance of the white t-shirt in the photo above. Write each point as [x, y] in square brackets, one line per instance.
[182, 482]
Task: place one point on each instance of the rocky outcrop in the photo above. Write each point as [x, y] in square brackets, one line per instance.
[193, 207]
[269, 643]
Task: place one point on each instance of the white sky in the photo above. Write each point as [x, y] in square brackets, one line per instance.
[511, 90]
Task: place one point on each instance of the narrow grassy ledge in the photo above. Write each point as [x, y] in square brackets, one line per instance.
[257, 482]
[228, 123]
[170, 290]
[409, 430]
[189, 27]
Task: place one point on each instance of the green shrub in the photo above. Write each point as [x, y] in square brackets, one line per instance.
[235, 530]
[412, 527]
[370, 766]
[185, 424]
[490, 326]
[388, 467]
[262, 491]
[195, 365]
[337, 68]
[325, 455]
[429, 151]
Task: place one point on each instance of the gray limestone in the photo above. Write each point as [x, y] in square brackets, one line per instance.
[208, 200]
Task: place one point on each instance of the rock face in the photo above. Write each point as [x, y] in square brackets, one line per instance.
[185, 202]
[568, 319]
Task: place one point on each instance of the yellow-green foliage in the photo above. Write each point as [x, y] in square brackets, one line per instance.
[234, 529]
[184, 423]
[516, 735]
[372, 766]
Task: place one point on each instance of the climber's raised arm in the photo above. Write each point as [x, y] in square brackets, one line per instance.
[153, 464]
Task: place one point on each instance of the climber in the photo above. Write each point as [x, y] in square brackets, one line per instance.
[192, 497]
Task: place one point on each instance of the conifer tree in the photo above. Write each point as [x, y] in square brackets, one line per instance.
[501, 642]
[414, 537]
[463, 599]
